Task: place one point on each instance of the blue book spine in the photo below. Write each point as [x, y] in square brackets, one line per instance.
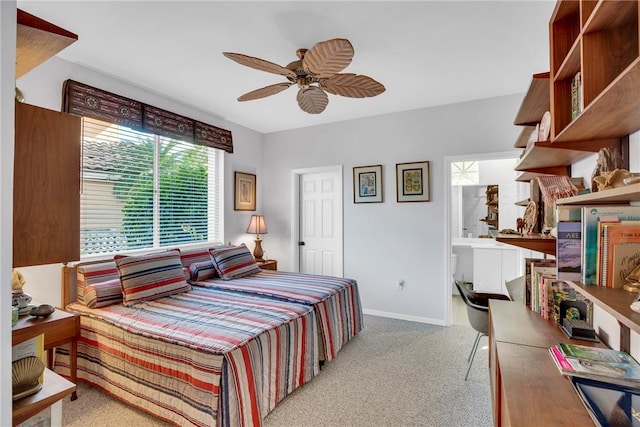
[569, 250]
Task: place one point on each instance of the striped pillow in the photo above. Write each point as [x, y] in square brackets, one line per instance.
[151, 276]
[103, 294]
[235, 262]
[202, 270]
[90, 274]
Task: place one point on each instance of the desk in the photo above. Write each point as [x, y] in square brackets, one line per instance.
[527, 388]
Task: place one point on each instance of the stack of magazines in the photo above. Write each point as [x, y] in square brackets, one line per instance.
[603, 364]
[607, 381]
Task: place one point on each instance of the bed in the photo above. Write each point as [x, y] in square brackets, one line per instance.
[209, 354]
[335, 300]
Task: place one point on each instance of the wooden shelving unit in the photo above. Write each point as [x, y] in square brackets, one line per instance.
[599, 39]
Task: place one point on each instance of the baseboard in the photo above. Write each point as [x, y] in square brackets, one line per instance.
[408, 317]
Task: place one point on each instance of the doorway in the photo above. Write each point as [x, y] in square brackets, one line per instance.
[317, 221]
[510, 193]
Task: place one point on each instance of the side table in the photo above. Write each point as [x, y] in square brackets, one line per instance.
[58, 328]
[270, 264]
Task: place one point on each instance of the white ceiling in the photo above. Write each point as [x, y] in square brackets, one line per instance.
[426, 53]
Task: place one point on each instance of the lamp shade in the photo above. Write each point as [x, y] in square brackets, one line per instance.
[257, 225]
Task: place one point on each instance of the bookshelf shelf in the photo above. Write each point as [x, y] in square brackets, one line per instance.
[546, 154]
[616, 302]
[628, 193]
[55, 388]
[535, 102]
[37, 41]
[534, 242]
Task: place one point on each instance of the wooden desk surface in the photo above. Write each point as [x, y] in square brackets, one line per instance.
[515, 323]
[537, 394]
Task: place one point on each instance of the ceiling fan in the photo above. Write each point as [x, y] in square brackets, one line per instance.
[316, 72]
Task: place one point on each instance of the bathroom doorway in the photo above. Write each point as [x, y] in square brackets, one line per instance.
[477, 171]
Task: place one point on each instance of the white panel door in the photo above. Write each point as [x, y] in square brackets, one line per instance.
[320, 228]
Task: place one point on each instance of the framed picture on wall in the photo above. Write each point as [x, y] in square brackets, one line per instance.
[245, 192]
[367, 184]
[412, 182]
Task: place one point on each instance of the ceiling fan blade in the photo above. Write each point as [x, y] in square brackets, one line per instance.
[329, 57]
[259, 64]
[264, 92]
[352, 85]
[312, 100]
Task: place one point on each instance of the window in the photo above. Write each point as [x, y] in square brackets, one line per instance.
[141, 191]
[465, 173]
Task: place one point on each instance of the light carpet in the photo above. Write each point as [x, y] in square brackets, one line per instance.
[394, 373]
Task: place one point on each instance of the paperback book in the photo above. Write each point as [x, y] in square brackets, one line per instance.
[569, 250]
[590, 218]
[614, 235]
[597, 363]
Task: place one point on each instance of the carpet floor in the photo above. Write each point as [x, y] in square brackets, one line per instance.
[394, 373]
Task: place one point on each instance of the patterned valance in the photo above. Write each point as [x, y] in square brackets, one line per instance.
[88, 101]
[165, 123]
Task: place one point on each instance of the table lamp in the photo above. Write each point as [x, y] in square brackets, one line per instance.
[257, 227]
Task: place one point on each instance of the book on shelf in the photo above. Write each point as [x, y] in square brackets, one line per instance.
[611, 234]
[626, 257]
[603, 364]
[590, 219]
[541, 278]
[529, 288]
[576, 95]
[608, 404]
[569, 250]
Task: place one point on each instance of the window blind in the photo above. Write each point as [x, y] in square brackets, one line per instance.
[141, 190]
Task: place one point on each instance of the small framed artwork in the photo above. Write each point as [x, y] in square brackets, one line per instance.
[412, 182]
[367, 184]
[245, 192]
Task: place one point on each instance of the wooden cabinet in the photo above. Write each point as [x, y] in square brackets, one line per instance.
[492, 267]
[46, 188]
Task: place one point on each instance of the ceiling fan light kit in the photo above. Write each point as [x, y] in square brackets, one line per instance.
[316, 73]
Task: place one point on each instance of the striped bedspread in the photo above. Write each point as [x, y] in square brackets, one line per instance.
[205, 357]
[336, 300]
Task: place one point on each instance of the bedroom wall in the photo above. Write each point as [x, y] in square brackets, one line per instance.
[384, 242]
[43, 87]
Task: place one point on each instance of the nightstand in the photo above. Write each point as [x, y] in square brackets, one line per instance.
[270, 264]
[60, 327]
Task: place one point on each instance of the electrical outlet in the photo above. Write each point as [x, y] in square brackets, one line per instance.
[400, 284]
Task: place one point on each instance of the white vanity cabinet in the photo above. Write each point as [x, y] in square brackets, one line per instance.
[492, 267]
